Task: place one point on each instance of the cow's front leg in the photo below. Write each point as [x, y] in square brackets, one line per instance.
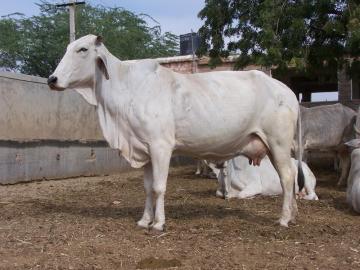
[160, 159]
[148, 215]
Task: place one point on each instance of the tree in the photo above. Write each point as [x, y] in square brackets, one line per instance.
[9, 46]
[307, 35]
[35, 45]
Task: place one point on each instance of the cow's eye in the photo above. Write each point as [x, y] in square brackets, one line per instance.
[82, 50]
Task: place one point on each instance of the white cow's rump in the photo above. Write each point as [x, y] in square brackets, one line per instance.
[247, 181]
[149, 112]
[328, 127]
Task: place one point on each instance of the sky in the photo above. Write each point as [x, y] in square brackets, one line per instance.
[177, 16]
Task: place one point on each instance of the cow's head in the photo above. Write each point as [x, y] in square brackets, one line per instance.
[77, 69]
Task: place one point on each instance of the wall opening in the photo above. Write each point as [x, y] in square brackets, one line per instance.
[324, 96]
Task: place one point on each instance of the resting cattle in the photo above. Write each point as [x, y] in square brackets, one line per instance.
[149, 112]
[247, 181]
[328, 127]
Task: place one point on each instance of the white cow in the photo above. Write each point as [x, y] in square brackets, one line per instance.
[328, 127]
[353, 181]
[149, 112]
[247, 181]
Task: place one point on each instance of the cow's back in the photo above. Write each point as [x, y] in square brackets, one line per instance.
[326, 127]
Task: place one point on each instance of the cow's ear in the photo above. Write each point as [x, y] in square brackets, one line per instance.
[355, 143]
[101, 58]
[99, 40]
[102, 65]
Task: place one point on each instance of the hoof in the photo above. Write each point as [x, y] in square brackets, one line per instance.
[311, 197]
[293, 221]
[160, 228]
[283, 223]
[220, 194]
[143, 224]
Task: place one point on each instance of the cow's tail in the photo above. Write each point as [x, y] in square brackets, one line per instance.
[300, 175]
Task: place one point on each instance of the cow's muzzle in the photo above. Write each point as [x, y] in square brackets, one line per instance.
[52, 80]
[52, 83]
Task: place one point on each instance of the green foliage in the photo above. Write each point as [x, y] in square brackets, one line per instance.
[308, 34]
[35, 45]
[9, 46]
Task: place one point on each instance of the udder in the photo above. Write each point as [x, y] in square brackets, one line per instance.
[255, 150]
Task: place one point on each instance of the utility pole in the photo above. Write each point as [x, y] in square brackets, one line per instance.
[72, 20]
[72, 4]
[193, 53]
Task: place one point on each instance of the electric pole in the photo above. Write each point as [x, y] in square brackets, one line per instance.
[72, 20]
[193, 52]
[72, 4]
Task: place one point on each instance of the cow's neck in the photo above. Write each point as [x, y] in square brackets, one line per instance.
[112, 100]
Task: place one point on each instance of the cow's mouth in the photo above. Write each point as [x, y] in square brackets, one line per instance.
[56, 88]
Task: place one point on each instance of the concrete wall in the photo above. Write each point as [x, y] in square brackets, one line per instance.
[30, 111]
[46, 134]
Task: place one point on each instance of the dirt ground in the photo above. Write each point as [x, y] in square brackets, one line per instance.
[89, 223]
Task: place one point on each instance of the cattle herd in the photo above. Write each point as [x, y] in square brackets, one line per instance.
[228, 120]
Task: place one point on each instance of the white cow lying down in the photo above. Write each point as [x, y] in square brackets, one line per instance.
[149, 113]
[247, 181]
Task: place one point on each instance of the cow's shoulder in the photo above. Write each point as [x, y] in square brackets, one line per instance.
[148, 65]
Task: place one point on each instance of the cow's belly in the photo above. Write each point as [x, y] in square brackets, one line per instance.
[250, 145]
[320, 139]
[318, 144]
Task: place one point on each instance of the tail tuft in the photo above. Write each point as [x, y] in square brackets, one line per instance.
[300, 176]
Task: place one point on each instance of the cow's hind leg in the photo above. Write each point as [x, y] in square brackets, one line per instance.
[148, 215]
[280, 157]
[160, 159]
[345, 163]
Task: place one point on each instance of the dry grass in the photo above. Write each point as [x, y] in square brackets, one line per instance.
[89, 223]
